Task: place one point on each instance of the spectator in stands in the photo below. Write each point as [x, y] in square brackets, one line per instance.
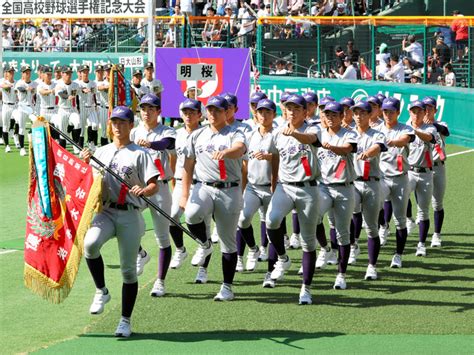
[449, 76]
[186, 7]
[350, 72]
[280, 67]
[461, 29]
[341, 10]
[414, 50]
[352, 52]
[39, 41]
[27, 35]
[56, 43]
[441, 52]
[289, 68]
[59, 28]
[16, 34]
[220, 5]
[295, 6]
[230, 21]
[447, 35]
[340, 55]
[383, 57]
[416, 77]
[211, 28]
[198, 7]
[396, 73]
[327, 7]
[247, 25]
[360, 8]
[7, 42]
[280, 7]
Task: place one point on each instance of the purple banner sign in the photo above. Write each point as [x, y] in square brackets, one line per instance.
[232, 73]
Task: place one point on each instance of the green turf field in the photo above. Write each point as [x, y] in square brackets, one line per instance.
[426, 307]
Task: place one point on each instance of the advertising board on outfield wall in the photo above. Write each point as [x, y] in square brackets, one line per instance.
[72, 8]
[455, 105]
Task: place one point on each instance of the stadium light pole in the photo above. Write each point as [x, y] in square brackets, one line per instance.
[151, 31]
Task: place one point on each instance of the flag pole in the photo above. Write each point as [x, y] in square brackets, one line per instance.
[119, 178]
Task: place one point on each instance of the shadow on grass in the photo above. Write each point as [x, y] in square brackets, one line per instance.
[280, 337]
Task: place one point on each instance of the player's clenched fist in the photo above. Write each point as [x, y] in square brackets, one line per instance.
[219, 155]
[288, 131]
[86, 155]
[143, 143]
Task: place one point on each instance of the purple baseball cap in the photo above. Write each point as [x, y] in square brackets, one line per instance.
[363, 105]
[374, 100]
[257, 96]
[381, 96]
[297, 100]
[285, 96]
[391, 104]
[150, 99]
[347, 101]
[325, 100]
[417, 103]
[218, 101]
[122, 113]
[334, 106]
[311, 97]
[231, 98]
[191, 104]
[429, 101]
[266, 103]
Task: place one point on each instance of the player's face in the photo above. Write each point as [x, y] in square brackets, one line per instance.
[149, 72]
[190, 117]
[265, 117]
[99, 74]
[295, 114]
[57, 75]
[430, 112]
[334, 119]
[121, 128]
[136, 79]
[347, 112]
[361, 117]
[48, 77]
[9, 75]
[66, 77]
[375, 109]
[253, 109]
[85, 75]
[390, 116]
[417, 114]
[311, 108]
[230, 112]
[216, 116]
[26, 75]
[150, 114]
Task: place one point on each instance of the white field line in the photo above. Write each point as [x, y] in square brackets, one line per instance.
[8, 251]
[459, 153]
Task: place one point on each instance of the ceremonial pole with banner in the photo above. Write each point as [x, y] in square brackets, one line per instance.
[62, 198]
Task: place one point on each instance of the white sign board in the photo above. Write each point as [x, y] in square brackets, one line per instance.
[131, 62]
[197, 72]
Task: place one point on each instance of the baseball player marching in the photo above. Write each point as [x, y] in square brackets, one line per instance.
[260, 178]
[370, 143]
[439, 169]
[87, 107]
[67, 91]
[7, 85]
[336, 189]
[214, 153]
[26, 92]
[293, 151]
[420, 175]
[158, 140]
[120, 216]
[102, 97]
[394, 167]
[47, 99]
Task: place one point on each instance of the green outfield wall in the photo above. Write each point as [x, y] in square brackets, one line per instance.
[455, 105]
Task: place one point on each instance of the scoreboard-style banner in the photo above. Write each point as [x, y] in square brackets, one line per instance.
[72, 8]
